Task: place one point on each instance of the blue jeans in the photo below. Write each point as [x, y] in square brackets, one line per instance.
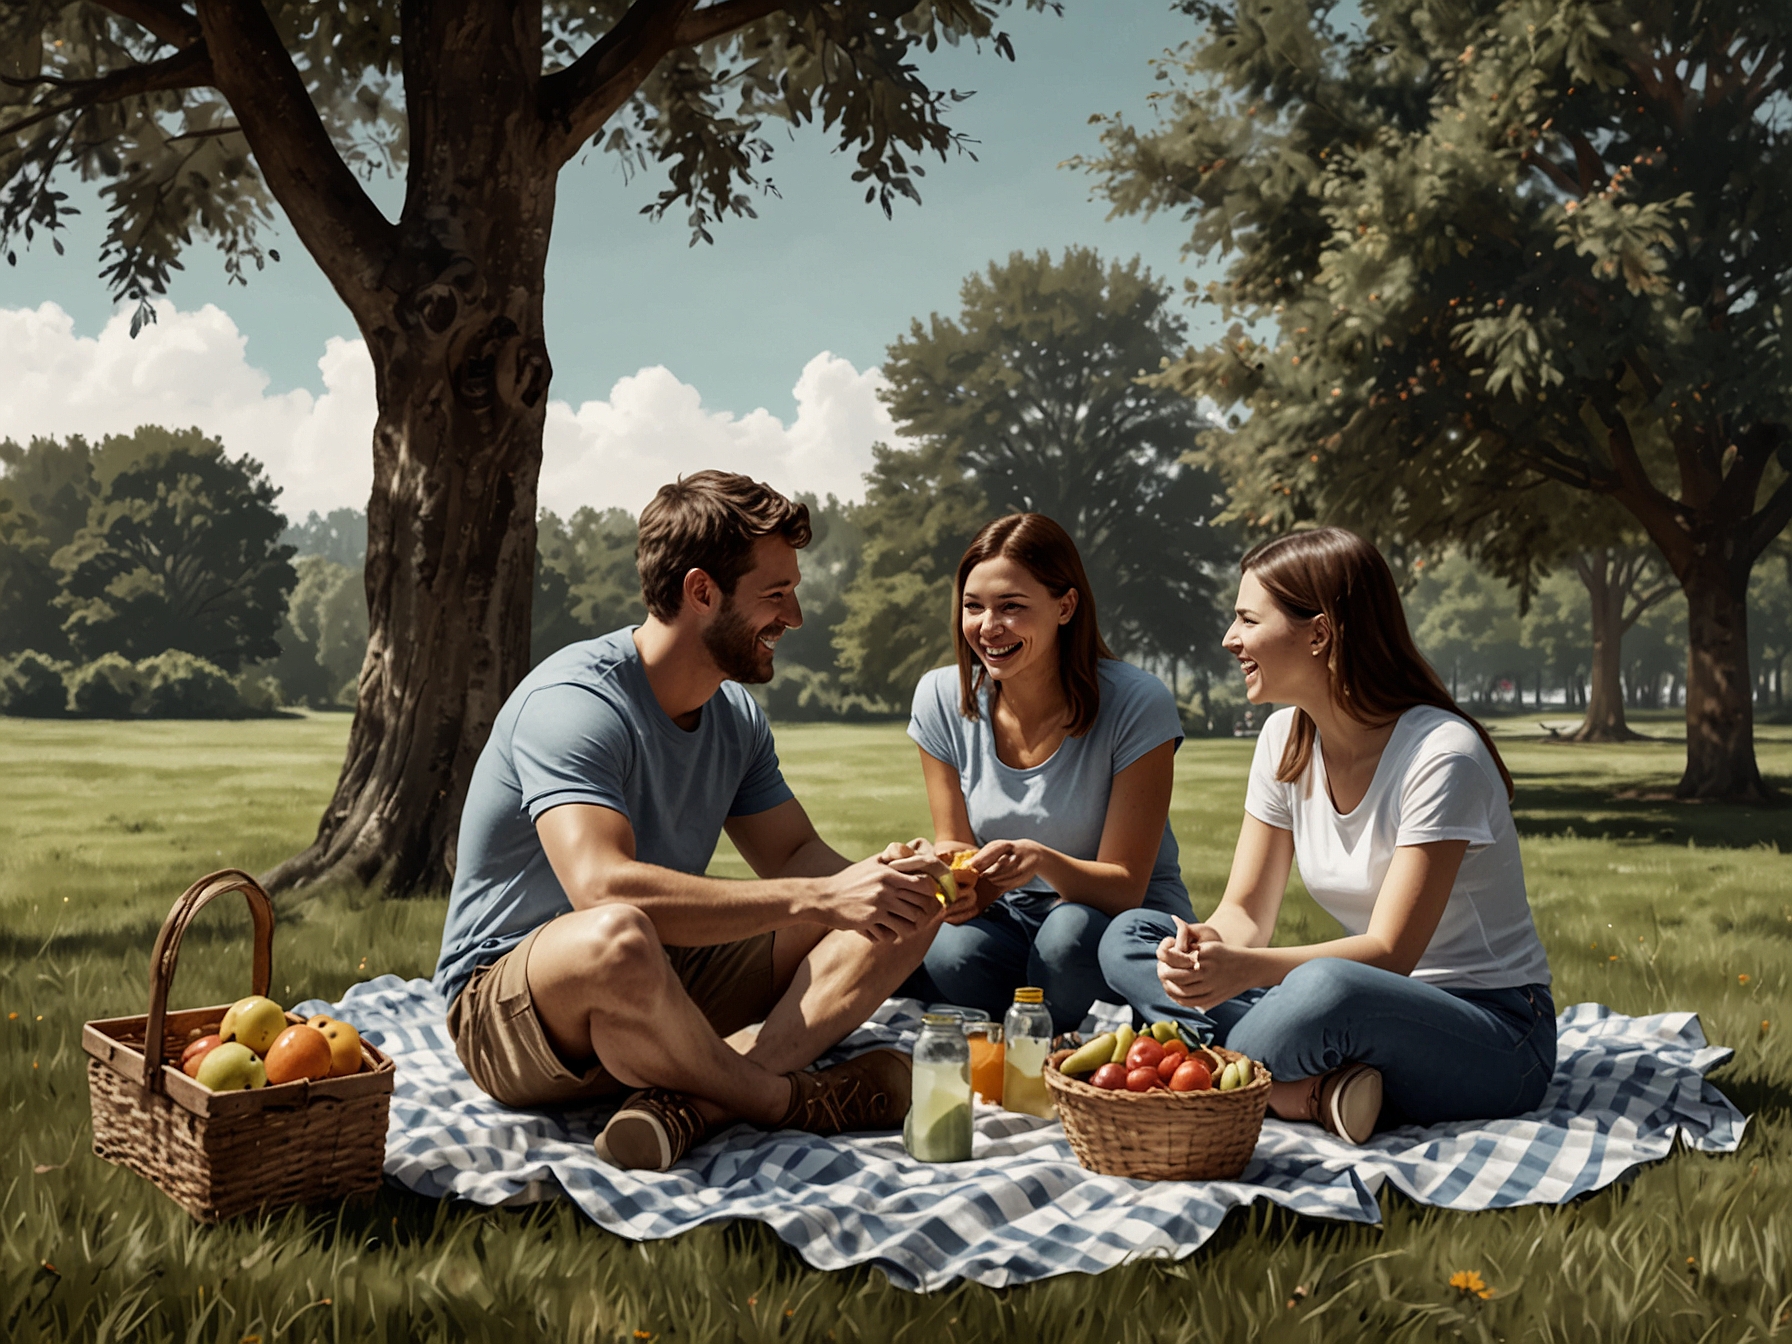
[1026, 938]
[1444, 1054]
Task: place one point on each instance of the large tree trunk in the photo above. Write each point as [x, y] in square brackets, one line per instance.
[462, 375]
[1720, 713]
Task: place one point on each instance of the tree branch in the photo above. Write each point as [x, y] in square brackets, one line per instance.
[707, 24]
[1551, 169]
[339, 225]
[165, 19]
[578, 100]
[1768, 522]
[189, 68]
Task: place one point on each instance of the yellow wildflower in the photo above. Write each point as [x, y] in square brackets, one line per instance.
[1470, 1284]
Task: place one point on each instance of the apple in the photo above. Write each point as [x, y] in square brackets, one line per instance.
[254, 1022]
[231, 1067]
[299, 1052]
[345, 1044]
[1141, 1079]
[1109, 1077]
[196, 1051]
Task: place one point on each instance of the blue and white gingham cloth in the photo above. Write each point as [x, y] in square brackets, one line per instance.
[1022, 1209]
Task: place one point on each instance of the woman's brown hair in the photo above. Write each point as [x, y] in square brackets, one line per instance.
[1376, 671]
[1044, 550]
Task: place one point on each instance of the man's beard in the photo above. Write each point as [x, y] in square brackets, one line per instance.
[734, 645]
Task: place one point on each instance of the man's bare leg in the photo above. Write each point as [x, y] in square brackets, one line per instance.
[602, 987]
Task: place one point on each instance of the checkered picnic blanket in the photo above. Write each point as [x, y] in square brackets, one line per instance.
[1022, 1209]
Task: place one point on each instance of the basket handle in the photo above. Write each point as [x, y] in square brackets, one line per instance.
[166, 954]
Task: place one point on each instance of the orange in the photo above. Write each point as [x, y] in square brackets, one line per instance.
[298, 1052]
[345, 1044]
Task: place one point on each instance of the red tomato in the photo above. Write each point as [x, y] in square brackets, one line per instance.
[1175, 1046]
[1145, 1054]
[1141, 1079]
[1166, 1068]
[1191, 1076]
[1109, 1077]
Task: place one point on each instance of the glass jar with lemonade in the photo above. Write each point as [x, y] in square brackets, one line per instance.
[938, 1128]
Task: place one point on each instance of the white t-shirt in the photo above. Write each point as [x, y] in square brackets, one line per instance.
[1435, 781]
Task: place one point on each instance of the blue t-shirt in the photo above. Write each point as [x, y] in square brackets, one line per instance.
[1062, 803]
[584, 727]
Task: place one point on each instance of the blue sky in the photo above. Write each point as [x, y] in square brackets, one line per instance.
[819, 270]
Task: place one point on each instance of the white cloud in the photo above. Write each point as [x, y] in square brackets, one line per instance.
[191, 368]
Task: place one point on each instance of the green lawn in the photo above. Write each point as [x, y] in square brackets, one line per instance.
[1644, 904]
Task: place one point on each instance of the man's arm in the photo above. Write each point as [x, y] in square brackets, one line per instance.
[782, 842]
[592, 851]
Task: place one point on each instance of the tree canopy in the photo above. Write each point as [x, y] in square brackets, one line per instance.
[1031, 399]
[1477, 251]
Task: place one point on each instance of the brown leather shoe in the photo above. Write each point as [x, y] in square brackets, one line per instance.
[653, 1129]
[868, 1091]
[1347, 1102]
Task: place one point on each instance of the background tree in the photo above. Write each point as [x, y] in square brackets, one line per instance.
[1031, 399]
[323, 638]
[1479, 248]
[586, 583]
[180, 550]
[45, 488]
[199, 115]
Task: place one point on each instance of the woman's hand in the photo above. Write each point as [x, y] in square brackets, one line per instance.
[1003, 865]
[1198, 970]
[975, 893]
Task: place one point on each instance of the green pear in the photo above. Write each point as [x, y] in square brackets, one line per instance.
[255, 1021]
[231, 1067]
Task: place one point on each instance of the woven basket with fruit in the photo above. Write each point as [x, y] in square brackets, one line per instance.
[1156, 1107]
[241, 1106]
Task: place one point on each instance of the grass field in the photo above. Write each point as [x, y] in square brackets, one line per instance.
[1644, 905]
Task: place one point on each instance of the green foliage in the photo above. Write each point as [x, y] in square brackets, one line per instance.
[140, 109]
[340, 535]
[109, 822]
[45, 490]
[179, 550]
[323, 638]
[1031, 399]
[585, 579]
[31, 686]
[178, 685]
[110, 687]
[1485, 254]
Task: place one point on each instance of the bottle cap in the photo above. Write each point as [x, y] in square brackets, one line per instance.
[1029, 995]
[939, 1019]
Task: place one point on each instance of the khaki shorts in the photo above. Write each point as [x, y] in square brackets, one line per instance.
[500, 1039]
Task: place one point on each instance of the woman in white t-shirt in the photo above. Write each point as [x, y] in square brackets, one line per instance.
[1051, 759]
[1396, 806]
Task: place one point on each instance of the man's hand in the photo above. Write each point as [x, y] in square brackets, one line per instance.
[883, 899]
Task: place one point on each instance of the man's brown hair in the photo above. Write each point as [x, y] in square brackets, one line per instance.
[1376, 672]
[1044, 549]
[709, 521]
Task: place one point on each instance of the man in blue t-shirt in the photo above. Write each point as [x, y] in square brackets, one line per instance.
[585, 952]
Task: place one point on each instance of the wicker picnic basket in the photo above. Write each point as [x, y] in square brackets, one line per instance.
[219, 1154]
[1162, 1136]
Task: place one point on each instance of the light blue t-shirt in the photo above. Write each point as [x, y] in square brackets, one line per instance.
[584, 727]
[1063, 802]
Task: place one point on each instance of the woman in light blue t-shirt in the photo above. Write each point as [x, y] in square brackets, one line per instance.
[1052, 760]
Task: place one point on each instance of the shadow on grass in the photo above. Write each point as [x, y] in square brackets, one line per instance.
[1544, 810]
[129, 943]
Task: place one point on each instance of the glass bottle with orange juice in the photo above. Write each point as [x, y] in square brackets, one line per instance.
[986, 1056]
